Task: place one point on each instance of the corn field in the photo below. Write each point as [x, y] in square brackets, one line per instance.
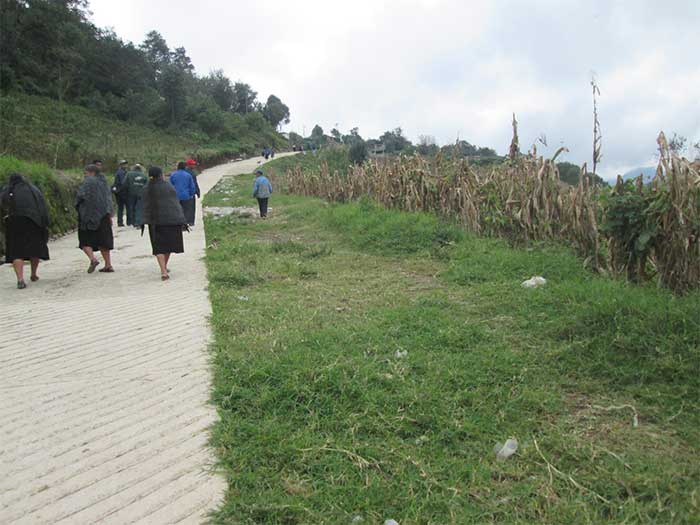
[523, 200]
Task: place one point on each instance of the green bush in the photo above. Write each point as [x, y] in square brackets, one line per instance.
[358, 152]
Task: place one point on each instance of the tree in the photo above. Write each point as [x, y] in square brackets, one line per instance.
[275, 112]
[336, 135]
[206, 113]
[219, 87]
[427, 146]
[394, 141]
[244, 98]
[677, 143]
[358, 152]
[317, 136]
[352, 137]
[172, 87]
[41, 45]
[50, 48]
[571, 174]
[486, 152]
[295, 139]
[157, 52]
[181, 61]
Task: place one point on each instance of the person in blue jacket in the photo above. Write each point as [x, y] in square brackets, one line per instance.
[185, 189]
[262, 189]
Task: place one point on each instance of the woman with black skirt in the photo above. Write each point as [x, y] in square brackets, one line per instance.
[94, 205]
[25, 220]
[165, 218]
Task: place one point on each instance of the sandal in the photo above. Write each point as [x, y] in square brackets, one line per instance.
[106, 269]
[164, 277]
[93, 264]
[34, 278]
[21, 285]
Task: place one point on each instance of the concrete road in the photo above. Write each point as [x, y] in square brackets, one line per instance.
[104, 383]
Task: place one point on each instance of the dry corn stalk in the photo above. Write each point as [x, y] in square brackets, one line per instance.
[524, 200]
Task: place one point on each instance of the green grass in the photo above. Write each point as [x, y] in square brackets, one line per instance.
[322, 422]
[66, 135]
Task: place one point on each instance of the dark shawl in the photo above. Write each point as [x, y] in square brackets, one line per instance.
[161, 205]
[93, 201]
[20, 198]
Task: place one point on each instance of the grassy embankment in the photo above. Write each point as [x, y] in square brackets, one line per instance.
[324, 420]
[64, 135]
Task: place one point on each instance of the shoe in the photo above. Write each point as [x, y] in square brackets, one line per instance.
[21, 285]
[164, 277]
[93, 264]
[34, 278]
[121, 224]
[106, 269]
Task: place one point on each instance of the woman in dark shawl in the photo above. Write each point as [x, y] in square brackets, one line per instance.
[94, 205]
[25, 219]
[165, 218]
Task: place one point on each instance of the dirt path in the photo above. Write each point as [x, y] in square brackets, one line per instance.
[104, 383]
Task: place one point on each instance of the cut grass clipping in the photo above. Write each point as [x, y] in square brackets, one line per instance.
[368, 360]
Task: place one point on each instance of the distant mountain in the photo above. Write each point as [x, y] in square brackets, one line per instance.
[648, 172]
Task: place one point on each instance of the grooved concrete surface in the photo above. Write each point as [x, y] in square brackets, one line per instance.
[104, 383]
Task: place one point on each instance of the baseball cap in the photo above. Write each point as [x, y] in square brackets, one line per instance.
[191, 162]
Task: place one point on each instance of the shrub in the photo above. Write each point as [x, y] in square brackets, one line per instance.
[358, 152]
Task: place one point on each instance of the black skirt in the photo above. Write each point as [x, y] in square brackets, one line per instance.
[188, 208]
[99, 239]
[25, 240]
[166, 239]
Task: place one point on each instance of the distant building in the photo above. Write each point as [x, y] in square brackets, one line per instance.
[377, 150]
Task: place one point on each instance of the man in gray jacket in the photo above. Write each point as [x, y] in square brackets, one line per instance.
[262, 189]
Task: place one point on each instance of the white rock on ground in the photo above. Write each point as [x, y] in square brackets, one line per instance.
[104, 386]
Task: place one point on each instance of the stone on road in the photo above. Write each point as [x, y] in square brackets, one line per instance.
[104, 386]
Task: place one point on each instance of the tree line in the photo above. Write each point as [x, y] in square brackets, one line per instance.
[50, 48]
[391, 142]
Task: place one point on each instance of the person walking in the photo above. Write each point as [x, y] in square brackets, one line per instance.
[163, 213]
[94, 205]
[136, 180]
[262, 189]
[186, 190]
[119, 190]
[25, 220]
[191, 168]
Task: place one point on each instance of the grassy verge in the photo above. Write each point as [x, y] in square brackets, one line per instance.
[367, 361]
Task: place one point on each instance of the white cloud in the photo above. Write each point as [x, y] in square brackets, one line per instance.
[449, 67]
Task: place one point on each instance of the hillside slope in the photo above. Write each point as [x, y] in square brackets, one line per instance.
[66, 136]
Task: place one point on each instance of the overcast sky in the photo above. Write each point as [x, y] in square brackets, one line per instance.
[451, 68]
